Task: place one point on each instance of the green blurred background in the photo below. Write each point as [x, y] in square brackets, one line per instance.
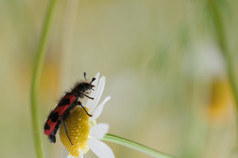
[165, 73]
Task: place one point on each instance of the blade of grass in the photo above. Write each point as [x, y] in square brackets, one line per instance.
[135, 146]
[222, 41]
[41, 51]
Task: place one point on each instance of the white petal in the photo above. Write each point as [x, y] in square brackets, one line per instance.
[98, 93]
[99, 130]
[97, 112]
[80, 154]
[70, 156]
[100, 149]
[92, 94]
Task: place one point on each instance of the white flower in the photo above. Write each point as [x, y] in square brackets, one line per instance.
[83, 130]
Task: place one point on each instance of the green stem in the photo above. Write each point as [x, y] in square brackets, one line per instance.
[222, 41]
[136, 146]
[41, 50]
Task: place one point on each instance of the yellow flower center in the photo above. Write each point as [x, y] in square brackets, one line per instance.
[77, 125]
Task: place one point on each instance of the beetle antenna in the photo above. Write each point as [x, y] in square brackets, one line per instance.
[84, 75]
[93, 79]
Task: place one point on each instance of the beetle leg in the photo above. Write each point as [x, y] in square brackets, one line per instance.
[79, 103]
[86, 95]
[67, 133]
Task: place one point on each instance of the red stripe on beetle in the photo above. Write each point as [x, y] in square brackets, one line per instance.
[60, 110]
[52, 126]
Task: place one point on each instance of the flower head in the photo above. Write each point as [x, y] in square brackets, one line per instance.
[221, 102]
[83, 130]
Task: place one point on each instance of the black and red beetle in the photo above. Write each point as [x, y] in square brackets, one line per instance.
[69, 101]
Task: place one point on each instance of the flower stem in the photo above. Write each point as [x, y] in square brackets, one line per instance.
[41, 50]
[222, 41]
[136, 146]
